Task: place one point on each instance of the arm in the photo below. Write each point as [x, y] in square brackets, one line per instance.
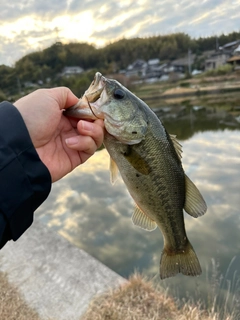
[25, 182]
[38, 146]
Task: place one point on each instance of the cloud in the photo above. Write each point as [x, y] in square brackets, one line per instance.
[73, 20]
[15, 10]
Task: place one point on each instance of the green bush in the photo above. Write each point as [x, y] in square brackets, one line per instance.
[185, 84]
[220, 71]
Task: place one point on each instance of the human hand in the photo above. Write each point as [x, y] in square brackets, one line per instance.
[61, 143]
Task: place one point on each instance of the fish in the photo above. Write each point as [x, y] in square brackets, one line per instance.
[149, 161]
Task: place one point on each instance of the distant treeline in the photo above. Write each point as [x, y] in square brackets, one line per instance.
[46, 65]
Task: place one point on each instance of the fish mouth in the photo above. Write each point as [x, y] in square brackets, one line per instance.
[95, 89]
[86, 108]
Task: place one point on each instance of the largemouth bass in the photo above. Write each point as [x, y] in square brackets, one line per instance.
[149, 161]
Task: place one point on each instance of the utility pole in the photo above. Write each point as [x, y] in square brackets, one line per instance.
[189, 61]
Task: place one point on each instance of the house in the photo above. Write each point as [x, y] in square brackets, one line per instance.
[71, 71]
[183, 64]
[235, 61]
[222, 55]
[216, 60]
[154, 69]
[233, 51]
[145, 70]
[137, 69]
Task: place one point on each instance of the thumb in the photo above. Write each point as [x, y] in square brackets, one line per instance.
[65, 97]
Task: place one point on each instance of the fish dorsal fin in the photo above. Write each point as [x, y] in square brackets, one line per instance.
[194, 202]
[113, 171]
[141, 220]
[177, 145]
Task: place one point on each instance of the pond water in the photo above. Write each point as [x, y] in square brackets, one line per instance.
[91, 213]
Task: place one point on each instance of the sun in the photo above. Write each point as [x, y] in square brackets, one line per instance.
[66, 28]
[75, 28]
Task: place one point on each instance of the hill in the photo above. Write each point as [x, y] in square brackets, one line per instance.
[43, 68]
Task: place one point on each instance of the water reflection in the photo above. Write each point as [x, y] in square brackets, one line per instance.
[86, 209]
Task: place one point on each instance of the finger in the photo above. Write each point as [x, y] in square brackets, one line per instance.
[85, 145]
[93, 129]
[64, 96]
[73, 122]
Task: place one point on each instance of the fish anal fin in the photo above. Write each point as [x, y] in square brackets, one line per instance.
[185, 262]
[141, 220]
[177, 146]
[194, 202]
[113, 171]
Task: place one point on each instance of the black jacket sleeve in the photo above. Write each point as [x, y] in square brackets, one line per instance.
[25, 181]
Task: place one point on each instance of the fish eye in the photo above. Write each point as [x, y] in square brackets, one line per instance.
[119, 94]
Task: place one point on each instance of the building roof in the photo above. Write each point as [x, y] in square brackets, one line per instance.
[139, 63]
[73, 68]
[153, 61]
[229, 45]
[234, 58]
[233, 43]
[183, 61]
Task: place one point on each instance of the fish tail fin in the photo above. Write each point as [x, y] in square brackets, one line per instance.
[185, 262]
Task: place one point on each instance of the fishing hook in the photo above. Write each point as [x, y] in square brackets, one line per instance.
[91, 108]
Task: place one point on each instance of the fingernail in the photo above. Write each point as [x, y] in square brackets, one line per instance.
[72, 140]
[88, 126]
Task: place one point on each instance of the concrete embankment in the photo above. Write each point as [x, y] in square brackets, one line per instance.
[55, 278]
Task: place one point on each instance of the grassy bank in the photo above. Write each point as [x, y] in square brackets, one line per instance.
[139, 299]
[136, 299]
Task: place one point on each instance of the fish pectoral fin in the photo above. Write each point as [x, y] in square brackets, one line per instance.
[177, 146]
[113, 171]
[141, 220]
[194, 202]
[136, 160]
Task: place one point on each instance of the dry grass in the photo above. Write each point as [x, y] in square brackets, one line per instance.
[135, 300]
[12, 306]
[138, 299]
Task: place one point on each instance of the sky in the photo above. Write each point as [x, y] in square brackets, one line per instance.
[31, 25]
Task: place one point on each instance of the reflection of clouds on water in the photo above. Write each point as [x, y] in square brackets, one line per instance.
[86, 209]
[212, 160]
[217, 170]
